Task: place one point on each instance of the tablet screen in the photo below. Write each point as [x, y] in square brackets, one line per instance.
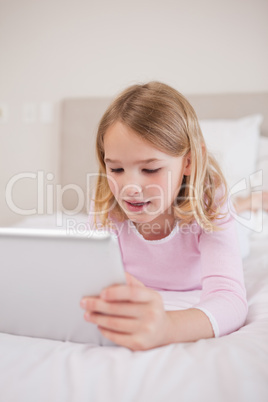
[44, 275]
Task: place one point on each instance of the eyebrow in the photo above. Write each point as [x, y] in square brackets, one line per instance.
[145, 161]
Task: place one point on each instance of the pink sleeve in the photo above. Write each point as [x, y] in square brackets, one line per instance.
[223, 297]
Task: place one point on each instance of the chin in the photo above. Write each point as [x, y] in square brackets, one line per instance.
[141, 218]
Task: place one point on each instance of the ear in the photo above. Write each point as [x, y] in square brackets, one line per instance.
[188, 164]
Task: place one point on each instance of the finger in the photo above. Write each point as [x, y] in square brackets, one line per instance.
[127, 293]
[123, 309]
[126, 340]
[124, 325]
[116, 337]
[131, 280]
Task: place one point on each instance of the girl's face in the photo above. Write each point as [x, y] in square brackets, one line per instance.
[143, 180]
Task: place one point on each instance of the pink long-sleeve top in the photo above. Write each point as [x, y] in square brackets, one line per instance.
[190, 258]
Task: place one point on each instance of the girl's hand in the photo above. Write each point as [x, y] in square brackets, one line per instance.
[129, 315]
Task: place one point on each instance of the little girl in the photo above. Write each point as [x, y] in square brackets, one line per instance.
[166, 199]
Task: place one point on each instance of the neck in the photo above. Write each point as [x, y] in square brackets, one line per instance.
[156, 229]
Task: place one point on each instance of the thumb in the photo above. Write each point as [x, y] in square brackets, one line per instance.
[132, 281]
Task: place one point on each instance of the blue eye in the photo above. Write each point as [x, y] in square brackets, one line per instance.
[150, 171]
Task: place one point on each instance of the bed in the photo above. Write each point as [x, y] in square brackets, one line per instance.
[233, 367]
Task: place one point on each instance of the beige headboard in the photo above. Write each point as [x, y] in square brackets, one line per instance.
[80, 117]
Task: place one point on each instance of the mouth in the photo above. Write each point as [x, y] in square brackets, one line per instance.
[136, 206]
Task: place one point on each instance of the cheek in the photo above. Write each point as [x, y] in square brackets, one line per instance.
[170, 185]
[166, 183]
[160, 185]
[175, 189]
[159, 190]
[113, 184]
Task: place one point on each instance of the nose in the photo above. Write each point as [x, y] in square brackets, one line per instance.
[131, 184]
[132, 190]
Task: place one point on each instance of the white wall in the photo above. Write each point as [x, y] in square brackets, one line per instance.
[52, 49]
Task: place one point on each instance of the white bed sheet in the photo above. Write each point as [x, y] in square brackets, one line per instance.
[233, 367]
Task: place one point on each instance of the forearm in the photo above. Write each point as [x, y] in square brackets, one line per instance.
[188, 326]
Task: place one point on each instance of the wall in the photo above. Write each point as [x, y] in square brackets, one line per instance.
[55, 49]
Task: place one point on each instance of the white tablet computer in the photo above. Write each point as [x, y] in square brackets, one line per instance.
[45, 273]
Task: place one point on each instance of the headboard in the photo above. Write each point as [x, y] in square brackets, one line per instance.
[79, 122]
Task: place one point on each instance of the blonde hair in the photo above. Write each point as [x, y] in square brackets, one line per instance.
[164, 118]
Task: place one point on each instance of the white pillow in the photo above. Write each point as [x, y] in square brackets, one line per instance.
[262, 161]
[234, 143]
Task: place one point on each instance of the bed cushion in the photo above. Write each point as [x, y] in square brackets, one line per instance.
[235, 145]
